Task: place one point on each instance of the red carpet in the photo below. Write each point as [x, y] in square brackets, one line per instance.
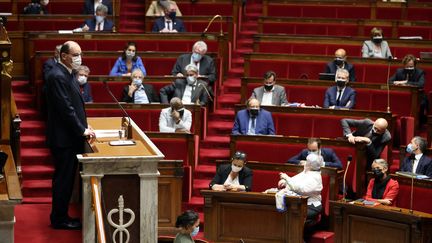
[33, 225]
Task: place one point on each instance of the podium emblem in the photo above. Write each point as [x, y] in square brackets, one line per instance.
[121, 227]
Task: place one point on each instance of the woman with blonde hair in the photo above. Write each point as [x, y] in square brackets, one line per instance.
[376, 47]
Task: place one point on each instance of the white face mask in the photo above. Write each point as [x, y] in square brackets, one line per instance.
[76, 62]
[191, 80]
[82, 80]
[137, 82]
[99, 19]
[236, 169]
[130, 54]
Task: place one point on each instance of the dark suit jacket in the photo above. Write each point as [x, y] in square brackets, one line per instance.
[329, 156]
[177, 24]
[177, 90]
[47, 66]
[206, 67]
[263, 125]
[89, 6]
[66, 115]
[148, 89]
[417, 79]
[245, 176]
[424, 166]
[91, 23]
[363, 128]
[349, 95]
[331, 68]
[86, 92]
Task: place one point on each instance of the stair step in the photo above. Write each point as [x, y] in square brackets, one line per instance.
[205, 171]
[35, 156]
[33, 141]
[39, 188]
[33, 127]
[37, 200]
[245, 42]
[195, 203]
[28, 114]
[243, 50]
[252, 15]
[20, 86]
[198, 185]
[215, 141]
[37, 172]
[222, 115]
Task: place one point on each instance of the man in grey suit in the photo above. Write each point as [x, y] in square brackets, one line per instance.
[270, 93]
[374, 134]
[198, 57]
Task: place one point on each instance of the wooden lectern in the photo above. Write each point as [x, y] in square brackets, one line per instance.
[127, 171]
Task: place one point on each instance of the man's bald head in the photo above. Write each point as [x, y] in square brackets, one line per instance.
[380, 125]
[340, 53]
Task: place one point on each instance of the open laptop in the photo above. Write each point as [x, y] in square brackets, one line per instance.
[327, 76]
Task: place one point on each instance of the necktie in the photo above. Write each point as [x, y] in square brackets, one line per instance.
[338, 97]
[168, 25]
[253, 124]
[192, 88]
[98, 27]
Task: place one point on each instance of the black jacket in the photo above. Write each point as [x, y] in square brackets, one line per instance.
[245, 176]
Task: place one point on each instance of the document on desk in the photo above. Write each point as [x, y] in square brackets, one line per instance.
[111, 133]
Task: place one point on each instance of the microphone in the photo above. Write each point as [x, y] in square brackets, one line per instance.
[388, 84]
[211, 21]
[129, 125]
[349, 159]
[412, 158]
[205, 88]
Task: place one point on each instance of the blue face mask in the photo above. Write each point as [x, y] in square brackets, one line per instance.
[195, 231]
[196, 57]
[137, 82]
[410, 149]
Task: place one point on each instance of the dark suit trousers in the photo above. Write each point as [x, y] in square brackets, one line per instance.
[65, 163]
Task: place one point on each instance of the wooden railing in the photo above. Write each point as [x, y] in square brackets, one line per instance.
[97, 207]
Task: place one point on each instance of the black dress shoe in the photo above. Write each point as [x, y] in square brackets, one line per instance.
[68, 225]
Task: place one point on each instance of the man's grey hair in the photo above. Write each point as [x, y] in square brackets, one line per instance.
[381, 162]
[102, 8]
[201, 45]
[342, 70]
[83, 68]
[421, 142]
[314, 162]
[191, 67]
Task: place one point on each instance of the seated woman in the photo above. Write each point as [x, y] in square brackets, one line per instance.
[188, 222]
[138, 92]
[156, 8]
[233, 177]
[82, 75]
[376, 47]
[307, 183]
[128, 62]
[382, 188]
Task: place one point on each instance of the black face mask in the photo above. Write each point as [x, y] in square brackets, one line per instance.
[268, 87]
[409, 71]
[172, 15]
[181, 113]
[340, 83]
[339, 62]
[377, 40]
[253, 112]
[378, 174]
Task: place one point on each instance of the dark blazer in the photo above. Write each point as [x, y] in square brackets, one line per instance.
[67, 119]
[264, 123]
[89, 7]
[417, 79]
[245, 176]
[347, 100]
[177, 24]
[177, 89]
[47, 66]
[91, 23]
[148, 89]
[206, 67]
[86, 92]
[424, 166]
[364, 128]
[331, 68]
[328, 154]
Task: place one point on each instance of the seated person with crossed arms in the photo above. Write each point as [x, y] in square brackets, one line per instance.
[175, 118]
[382, 189]
[234, 176]
[340, 96]
[314, 147]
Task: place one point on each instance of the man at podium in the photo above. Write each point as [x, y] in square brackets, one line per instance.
[67, 130]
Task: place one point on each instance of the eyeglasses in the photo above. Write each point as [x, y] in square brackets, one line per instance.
[239, 155]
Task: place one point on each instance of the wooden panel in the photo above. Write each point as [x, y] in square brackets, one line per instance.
[364, 229]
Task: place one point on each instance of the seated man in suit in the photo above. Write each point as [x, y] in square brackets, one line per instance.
[234, 176]
[190, 90]
[138, 92]
[198, 57]
[175, 118]
[51, 62]
[340, 62]
[156, 8]
[270, 93]
[253, 120]
[340, 95]
[314, 147]
[169, 23]
[99, 22]
[91, 5]
[417, 162]
[374, 134]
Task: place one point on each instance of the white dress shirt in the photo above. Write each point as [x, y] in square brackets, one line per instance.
[251, 129]
[416, 162]
[187, 95]
[267, 98]
[230, 181]
[307, 184]
[140, 96]
[167, 124]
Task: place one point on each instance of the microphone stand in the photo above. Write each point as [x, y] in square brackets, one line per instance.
[211, 21]
[344, 178]
[388, 85]
[114, 17]
[206, 90]
[129, 125]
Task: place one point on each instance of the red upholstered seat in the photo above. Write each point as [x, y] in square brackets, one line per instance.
[201, 8]
[52, 24]
[322, 237]
[422, 198]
